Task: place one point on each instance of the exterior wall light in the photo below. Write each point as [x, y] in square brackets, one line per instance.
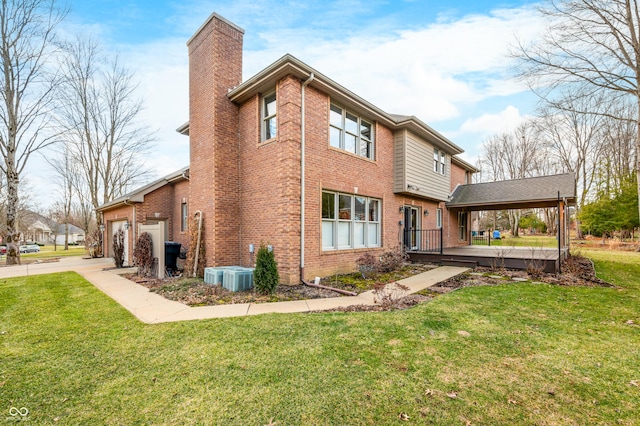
[426, 212]
[126, 225]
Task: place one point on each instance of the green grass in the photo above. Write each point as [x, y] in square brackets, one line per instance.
[525, 241]
[620, 267]
[47, 252]
[534, 354]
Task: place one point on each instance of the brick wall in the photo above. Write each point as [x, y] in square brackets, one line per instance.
[120, 213]
[163, 204]
[215, 66]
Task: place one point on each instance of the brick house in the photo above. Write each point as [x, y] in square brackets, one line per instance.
[292, 159]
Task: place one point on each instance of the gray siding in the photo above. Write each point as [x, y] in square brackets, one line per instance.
[399, 171]
[414, 166]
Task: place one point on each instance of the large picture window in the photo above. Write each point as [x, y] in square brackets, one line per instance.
[349, 221]
[269, 117]
[351, 133]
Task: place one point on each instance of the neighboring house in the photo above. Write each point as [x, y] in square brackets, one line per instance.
[292, 159]
[37, 231]
[76, 235]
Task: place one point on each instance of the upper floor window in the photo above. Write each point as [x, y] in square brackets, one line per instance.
[351, 132]
[269, 119]
[439, 161]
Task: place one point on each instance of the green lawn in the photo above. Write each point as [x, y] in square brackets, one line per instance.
[511, 354]
[47, 252]
[524, 241]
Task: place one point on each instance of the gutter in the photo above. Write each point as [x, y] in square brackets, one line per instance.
[302, 172]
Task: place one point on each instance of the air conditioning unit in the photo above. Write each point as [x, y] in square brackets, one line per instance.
[238, 278]
[214, 276]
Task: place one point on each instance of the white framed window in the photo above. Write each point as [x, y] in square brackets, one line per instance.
[268, 108]
[349, 132]
[183, 217]
[439, 161]
[462, 226]
[438, 218]
[349, 221]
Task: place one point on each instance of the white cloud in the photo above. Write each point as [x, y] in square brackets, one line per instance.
[487, 124]
[435, 72]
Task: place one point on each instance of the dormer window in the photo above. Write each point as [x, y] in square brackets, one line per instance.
[351, 133]
[269, 117]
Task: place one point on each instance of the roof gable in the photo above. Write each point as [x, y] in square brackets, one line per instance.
[137, 196]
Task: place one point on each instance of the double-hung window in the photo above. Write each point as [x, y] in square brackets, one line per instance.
[349, 221]
[439, 161]
[462, 226]
[351, 133]
[269, 117]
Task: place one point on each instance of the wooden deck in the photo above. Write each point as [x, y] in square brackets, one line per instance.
[545, 259]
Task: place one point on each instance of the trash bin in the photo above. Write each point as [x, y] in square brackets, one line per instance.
[496, 235]
[171, 253]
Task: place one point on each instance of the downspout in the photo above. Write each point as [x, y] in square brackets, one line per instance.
[133, 220]
[302, 172]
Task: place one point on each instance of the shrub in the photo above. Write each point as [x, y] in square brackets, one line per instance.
[392, 259]
[265, 276]
[93, 241]
[118, 248]
[367, 265]
[143, 255]
[387, 295]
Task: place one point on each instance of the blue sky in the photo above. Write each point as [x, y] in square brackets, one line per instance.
[444, 62]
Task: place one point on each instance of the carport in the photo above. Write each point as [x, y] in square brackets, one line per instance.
[554, 191]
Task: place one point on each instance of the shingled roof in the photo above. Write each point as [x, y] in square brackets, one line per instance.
[533, 192]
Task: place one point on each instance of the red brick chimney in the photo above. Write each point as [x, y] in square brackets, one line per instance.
[215, 67]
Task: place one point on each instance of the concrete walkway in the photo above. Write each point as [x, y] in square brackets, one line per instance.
[152, 308]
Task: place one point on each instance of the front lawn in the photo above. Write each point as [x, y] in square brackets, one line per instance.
[511, 354]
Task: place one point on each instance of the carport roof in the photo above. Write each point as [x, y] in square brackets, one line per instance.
[536, 192]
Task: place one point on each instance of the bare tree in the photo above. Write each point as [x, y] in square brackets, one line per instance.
[618, 144]
[99, 119]
[574, 140]
[26, 41]
[593, 45]
[65, 176]
[514, 155]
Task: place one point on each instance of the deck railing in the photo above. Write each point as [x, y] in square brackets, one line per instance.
[423, 240]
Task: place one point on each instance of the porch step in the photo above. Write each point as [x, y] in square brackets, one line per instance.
[458, 262]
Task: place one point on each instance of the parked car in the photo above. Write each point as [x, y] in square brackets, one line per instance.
[3, 250]
[30, 248]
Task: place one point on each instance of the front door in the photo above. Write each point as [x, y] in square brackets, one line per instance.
[411, 226]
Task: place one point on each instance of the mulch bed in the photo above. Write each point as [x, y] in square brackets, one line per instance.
[577, 271]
